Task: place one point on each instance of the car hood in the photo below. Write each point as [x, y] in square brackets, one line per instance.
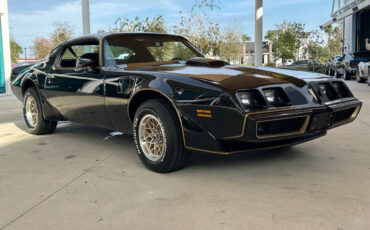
[229, 76]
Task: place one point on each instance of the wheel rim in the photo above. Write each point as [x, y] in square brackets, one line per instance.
[152, 137]
[32, 111]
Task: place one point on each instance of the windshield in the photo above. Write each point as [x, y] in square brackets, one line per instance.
[336, 58]
[128, 49]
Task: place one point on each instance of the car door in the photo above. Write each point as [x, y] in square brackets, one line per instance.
[77, 93]
[119, 85]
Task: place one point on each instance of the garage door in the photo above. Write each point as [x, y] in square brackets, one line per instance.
[2, 74]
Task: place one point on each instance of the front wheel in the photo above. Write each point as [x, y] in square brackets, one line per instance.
[158, 137]
[336, 73]
[32, 113]
[346, 75]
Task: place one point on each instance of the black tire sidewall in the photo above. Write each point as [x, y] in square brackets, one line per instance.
[173, 142]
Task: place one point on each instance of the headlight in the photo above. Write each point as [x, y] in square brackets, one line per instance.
[342, 89]
[323, 88]
[328, 90]
[246, 98]
[276, 96]
[251, 99]
[270, 95]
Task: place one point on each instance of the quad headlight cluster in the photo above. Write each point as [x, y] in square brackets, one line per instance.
[254, 99]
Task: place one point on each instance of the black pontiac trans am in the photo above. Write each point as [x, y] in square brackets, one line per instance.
[173, 100]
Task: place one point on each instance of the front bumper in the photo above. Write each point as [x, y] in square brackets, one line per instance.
[304, 121]
[285, 127]
[352, 70]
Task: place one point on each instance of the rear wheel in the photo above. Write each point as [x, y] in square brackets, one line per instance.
[158, 137]
[358, 78]
[32, 113]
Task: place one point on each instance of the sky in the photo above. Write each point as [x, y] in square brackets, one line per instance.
[33, 18]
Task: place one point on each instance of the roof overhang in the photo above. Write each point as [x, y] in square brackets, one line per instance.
[346, 11]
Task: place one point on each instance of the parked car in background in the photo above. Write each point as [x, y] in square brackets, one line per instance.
[174, 100]
[363, 72]
[347, 65]
[288, 62]
[330, 65]
[17, 68]
[306, 65]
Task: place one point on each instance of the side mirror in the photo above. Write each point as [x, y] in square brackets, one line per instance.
[84, 62]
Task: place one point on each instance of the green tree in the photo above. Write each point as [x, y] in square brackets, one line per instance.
[41, 47]
[155, 24]
[15, 50]
[196, 25]
[315, 48]
[246, 38]
[230, 46]
[334, 43]
[287, 39]
[270, 36]
[62, 32]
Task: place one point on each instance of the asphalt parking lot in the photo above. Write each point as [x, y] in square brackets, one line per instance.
[82, 177]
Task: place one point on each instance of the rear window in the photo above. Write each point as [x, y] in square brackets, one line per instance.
[362, 56]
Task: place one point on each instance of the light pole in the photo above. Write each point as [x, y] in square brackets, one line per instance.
[258, 33]
[86, 16]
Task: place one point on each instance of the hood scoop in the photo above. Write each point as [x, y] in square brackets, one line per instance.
[206, 62]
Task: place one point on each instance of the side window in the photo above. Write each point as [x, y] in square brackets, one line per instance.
[71, 53]
[116, 55]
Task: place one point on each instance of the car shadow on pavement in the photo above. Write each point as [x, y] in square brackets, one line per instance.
[68, 132]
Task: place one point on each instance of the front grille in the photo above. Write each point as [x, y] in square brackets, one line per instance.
[282, 127]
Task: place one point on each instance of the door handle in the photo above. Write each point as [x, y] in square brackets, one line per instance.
[50, 76]
[49, 79]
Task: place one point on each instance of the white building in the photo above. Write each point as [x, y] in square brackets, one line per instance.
[356, 23]
[247, 56]
[5, 65]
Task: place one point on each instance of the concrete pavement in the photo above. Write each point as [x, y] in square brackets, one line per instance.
[80, 177]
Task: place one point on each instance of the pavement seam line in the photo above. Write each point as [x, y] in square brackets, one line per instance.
[58, 190]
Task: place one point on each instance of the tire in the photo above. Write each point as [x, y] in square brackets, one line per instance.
[167, 153]
[336, 73]
[331, 72]
[33, 115]
[346, 75]
[358, 78]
